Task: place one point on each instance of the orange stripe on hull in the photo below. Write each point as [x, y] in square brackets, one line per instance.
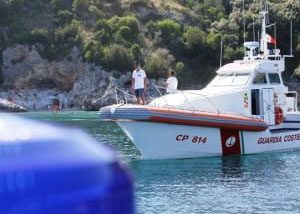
[204, 114]
[207, 123]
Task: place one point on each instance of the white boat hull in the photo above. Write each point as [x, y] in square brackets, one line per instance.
[165, 141]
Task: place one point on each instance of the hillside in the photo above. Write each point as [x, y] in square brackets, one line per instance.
[182, 35]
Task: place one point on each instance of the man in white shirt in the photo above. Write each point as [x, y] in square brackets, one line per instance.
[172, 83]
[139, 84]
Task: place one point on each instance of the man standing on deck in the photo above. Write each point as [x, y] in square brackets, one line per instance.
[139, 84]
[172, 83]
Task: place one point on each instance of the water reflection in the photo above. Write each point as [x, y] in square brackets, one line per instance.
[232, 167]
[204, 168]
[252, 184]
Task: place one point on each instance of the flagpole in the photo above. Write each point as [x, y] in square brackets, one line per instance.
[221, 52]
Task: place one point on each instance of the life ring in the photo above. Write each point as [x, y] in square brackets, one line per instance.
[278, 115]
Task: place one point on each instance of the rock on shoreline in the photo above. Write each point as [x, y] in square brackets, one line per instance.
[7, 106]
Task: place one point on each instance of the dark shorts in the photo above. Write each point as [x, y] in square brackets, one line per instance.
[139, 92]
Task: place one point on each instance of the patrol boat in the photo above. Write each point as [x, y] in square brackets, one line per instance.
[245, 109]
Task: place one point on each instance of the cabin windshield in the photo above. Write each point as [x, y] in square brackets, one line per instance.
[230, 79]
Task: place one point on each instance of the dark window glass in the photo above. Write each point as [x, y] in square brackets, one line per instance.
[274, 78]
[260, 78]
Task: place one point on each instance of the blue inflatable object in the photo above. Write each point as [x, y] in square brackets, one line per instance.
[48, 169]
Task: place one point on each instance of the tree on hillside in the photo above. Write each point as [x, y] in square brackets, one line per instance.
[170, 30]
[194, 41]
[159, 63]
[117, 57]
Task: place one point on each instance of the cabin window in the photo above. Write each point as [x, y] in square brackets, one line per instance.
[260, 78]
[240, 79]
[274, 78]
[222, 79]
[230, 79]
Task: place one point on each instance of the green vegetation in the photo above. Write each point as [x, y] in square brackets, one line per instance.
[159, 63]
[180, 35]
[117, 57]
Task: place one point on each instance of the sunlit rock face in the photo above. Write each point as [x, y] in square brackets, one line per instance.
[35, 83]
[23, 67]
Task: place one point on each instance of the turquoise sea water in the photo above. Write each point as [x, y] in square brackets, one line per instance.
[268, 183]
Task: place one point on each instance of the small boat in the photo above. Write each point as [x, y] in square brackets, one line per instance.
[245, 109]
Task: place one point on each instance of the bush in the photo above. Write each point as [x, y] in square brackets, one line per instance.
[140, 3]
[194, 40]
[298, 43]
[39, 35]
[80, 6]
[64, 17]
[116, 23]
[131, 22]
[136, 52]
[103, 32]
[93, 52]
[96, 12]
[297, 72]
[67, 34]
[170, 30]
[159, 63]
[179, 67]
[117, 57]
[213, 40]
[232, 54]
[151, 28]
[88, 11]
[126, 34]
[4, 12]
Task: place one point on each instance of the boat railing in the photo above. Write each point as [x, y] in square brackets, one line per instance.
[157, 88]
[125, 96]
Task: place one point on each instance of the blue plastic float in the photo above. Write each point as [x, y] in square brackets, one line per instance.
[48, 169]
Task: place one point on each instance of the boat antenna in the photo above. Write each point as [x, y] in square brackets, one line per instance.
[291, 39]
[253, 29]
[267, 16]
[263, 39]
[244, 26]
[221, 52]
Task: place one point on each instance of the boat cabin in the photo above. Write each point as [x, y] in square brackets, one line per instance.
[251, 87]
[263, 86]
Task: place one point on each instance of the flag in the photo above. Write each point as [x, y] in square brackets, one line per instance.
[271, 39]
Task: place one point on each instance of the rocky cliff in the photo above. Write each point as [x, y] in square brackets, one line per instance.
[37, 84]
[33, 82]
